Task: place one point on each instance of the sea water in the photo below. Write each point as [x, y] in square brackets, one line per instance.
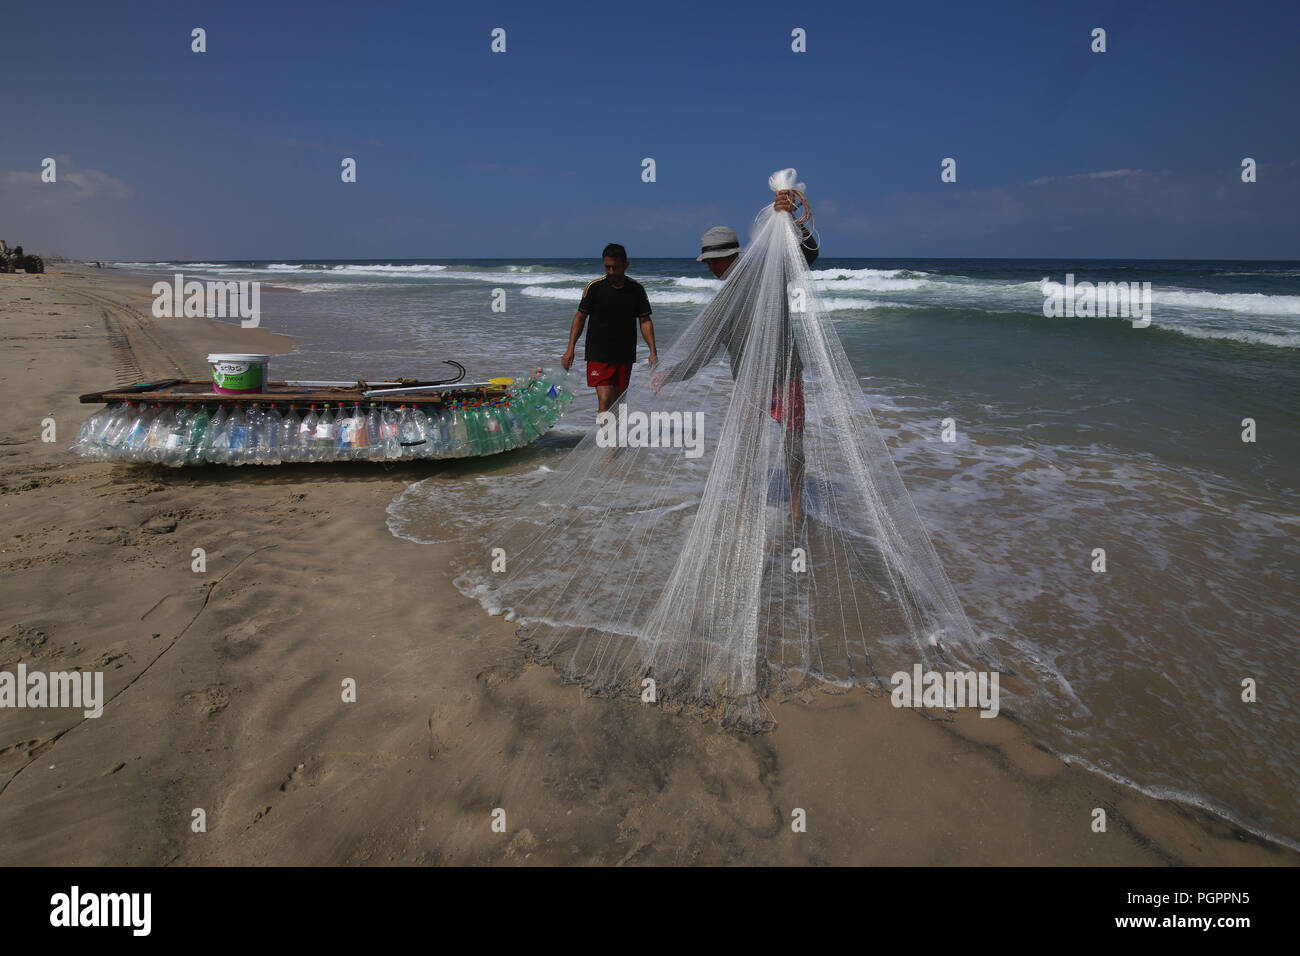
[1071, 437]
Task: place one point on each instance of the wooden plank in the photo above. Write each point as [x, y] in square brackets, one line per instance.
[179, 391]
[131, 389]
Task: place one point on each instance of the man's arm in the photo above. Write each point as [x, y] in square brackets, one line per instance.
[575, 332]
[809, 246]
[808, 243]
[647, 327]
[648, 333]
[700, 354]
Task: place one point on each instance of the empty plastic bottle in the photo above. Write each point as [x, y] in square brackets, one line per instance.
[111, 442]
[136, 444]
[412, 431]
[511, 426]
[374, 450]
[255, 451]
[91, 433]
[496, 428]
[270, 437]
[388, 432]
[345, 429]
[357, 440]
[307, 435]
[237, 436]
[289, 424]
[459, 433]
[176, 441]
[440, 433]
[323, 445]
[480, 444]
[197, 435]
[214, 443]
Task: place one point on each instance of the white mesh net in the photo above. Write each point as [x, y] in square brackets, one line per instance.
[778, 552]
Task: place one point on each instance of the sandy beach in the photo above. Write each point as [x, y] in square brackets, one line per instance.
[224, 688]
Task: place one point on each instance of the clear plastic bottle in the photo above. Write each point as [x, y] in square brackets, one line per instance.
[388, 431]
[410, 434]
[156, 439]
[274, 429]
[323, 445]
[512, 422]
[290, 422]
[99, 425]
[272, 426]
[176, 441]
[359, 446]
[136, 444]
[496, 429]
[255, 452]
[426, 428]
[307, 435]
[460, 446]
[374, 434]
[440, 432]
[215, 443]
[530, 423]
[485, 438]
[268, 437]
[114, 432]
[491, 430]
[90, 433]
[556, 385]
[197, 435]
[122, 447]
[478, 440]
[345, 429]
[237, 436]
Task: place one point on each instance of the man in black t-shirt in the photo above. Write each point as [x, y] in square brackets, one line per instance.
[616, 305]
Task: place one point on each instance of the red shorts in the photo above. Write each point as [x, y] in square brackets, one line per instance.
[787, 404]
[603, 373]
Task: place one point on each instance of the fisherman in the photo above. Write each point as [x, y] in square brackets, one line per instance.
[615, 305]
[719, 250]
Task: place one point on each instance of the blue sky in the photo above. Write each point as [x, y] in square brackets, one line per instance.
[536, 152]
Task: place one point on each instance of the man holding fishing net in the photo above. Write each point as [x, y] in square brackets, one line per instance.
[720, 250]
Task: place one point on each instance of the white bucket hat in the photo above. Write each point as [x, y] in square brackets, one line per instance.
[718, 243]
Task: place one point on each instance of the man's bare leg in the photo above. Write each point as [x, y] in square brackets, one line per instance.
[607, 395]
[794, 469]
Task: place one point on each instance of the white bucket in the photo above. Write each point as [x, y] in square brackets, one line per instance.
[235, 373]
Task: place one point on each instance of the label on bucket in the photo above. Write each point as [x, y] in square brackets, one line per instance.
[237, 376]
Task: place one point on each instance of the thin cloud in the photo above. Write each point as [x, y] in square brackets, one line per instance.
[1100, 174]
[22, 185]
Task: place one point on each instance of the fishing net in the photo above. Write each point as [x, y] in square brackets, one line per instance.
[736, 529]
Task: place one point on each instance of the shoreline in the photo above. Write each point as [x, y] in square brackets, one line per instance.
[223, 687]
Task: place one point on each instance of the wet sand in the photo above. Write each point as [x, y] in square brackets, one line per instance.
[225, 687]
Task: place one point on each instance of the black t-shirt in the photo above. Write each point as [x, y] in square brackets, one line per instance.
[612, 316]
